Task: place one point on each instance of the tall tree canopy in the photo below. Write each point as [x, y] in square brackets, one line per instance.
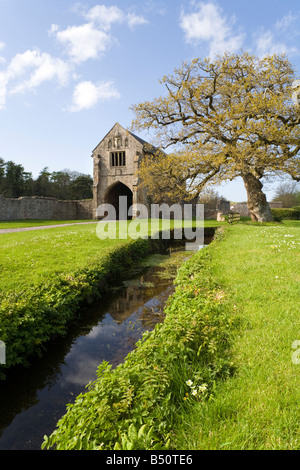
[65, 184]
[229, 117]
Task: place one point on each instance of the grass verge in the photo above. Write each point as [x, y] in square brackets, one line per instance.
[257, 408]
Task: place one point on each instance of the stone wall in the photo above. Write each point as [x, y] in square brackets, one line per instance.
[242, 207]
[45, 208]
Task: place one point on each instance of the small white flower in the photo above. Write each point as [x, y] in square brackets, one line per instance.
[189, 383]
[194, 391]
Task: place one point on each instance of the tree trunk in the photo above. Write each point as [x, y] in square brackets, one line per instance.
[257, 202]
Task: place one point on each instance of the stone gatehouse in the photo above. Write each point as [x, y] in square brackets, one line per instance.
[116, 161]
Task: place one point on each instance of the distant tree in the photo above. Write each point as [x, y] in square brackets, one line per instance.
[288, 194]
[81, 188]
[2, 174]
[13, 183]
[28, 187]
[60, 183]
[65, 184]
[42, 186]
[225, 118]
[209, 198]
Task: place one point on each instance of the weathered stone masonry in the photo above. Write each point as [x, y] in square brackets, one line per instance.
[116, 161]
[44, 208]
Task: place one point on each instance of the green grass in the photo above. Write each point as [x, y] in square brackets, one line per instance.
[258, 408]
[244, 294]
[36, 223]
[27, 258]
[46, 275]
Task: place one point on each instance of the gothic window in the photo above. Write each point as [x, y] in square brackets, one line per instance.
[117, 159]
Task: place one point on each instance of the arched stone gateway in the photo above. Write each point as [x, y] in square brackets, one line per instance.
[113, 197]
[116, 162]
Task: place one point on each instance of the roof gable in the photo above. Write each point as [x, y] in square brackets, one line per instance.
[118, 127]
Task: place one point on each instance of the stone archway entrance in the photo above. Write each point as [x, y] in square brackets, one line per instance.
[112, 197]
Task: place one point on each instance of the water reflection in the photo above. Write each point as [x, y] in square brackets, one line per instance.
[32, 400]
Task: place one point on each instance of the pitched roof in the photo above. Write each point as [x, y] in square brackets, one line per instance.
[141, 141]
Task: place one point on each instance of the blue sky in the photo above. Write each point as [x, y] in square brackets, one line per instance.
[69, 70]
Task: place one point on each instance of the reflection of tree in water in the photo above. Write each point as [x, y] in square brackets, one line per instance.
[140, 295]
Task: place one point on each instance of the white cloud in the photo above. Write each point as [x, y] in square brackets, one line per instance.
[45, 68]
[83, 42]
[105, 16]
[28, 71]
[285, 22]
[87, 94]
[266, 44]
[2, 46]
[91, 39]
[3, 91]
[277, 39]
[208, 24]
[135, 20]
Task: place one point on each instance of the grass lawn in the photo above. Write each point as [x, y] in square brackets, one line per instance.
[46, 274]
[28, 258]
[36, 223]
[258, 407]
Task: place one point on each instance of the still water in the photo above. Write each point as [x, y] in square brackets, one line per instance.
[33, 399]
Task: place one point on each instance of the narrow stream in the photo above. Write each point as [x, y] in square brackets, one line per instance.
[33, 399]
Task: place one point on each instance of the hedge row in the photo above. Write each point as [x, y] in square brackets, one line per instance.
[285, 214]
[135, 405]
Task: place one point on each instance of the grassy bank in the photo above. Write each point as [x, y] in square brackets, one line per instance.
[47, 274]
[257, 408]
[137, 404]
[31, 317]
[28, 258]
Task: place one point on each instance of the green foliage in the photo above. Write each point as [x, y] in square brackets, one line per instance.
[136, 405]
[16, 182]
[32, 316]
[286, 214]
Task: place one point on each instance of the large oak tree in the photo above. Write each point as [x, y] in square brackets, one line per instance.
[225, 118]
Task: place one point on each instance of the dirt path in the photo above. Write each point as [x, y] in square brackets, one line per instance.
[40, 227]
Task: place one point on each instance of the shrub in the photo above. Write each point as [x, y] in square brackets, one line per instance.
[285, 214]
